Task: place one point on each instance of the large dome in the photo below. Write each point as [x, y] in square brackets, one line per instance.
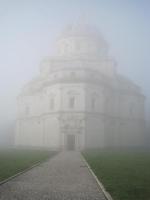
[84, 30]
[81, 40]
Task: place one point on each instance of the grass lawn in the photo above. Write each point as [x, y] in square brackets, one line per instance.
[13, 161]
[125, 174]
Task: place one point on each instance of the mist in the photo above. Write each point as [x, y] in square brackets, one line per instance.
[29, 30]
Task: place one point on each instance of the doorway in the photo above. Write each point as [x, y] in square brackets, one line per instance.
[70, 142]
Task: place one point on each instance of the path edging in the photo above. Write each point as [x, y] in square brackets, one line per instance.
[107, 195]
[24, 171]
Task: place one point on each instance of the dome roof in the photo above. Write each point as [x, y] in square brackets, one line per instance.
[82, 40]
[82, 30]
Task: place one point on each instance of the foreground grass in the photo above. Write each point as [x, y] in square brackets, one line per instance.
[125, 174]
[13, 161]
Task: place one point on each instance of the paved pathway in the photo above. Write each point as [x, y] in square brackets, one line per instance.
[63, 177]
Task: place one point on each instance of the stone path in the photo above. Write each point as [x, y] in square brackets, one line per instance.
[63, 177]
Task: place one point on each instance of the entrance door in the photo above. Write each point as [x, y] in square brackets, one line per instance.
[70, 142]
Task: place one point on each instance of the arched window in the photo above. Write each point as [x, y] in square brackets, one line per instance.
[27, 110]
[72, 98]
[73, 74]
[52, 103]
[93, 103]
[131, 109]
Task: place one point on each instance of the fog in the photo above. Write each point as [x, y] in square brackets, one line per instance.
[29, 30]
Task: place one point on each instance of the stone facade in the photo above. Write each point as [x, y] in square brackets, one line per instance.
[79, 100]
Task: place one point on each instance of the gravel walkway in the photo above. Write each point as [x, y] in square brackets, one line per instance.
[63, 177]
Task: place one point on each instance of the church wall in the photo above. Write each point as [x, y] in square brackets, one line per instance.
[131, 120]
[81, 140]
[30, 105]
[79, 84]
[51, 132]
[131, 133]
[124, 119]
[124, 132]
[29, 132]
[38, 132]
[131, 106]
[94, 132]
[110, 132]
[95, 99]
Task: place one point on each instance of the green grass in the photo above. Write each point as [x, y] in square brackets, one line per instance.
[13, 161]
[125, 174]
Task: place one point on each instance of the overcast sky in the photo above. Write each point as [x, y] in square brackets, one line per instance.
[28, 29]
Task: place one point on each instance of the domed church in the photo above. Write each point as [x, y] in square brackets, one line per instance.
[79, 100]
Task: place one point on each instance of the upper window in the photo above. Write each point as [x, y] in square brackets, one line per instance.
[131, 109]
[73, 74]
[52, 103]
[94, 97]
[93, 103]
[27, 110]
[71, 102]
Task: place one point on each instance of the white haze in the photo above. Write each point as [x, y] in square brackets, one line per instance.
[29, 29]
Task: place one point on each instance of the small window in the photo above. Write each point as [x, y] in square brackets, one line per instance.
[52, 103]
[73, 74]
[71, 102]
[55, 76]
[78, 46]
[93, 102]
[27, 110]
[131, 109]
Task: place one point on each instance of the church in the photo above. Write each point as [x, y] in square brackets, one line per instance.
[79, 100]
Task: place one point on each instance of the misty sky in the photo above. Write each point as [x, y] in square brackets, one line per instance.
[28, 29]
